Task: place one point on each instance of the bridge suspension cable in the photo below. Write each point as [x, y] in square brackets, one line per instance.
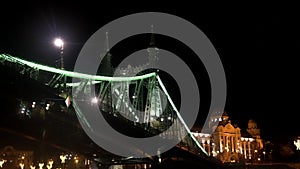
[93, 79]
[16, 60]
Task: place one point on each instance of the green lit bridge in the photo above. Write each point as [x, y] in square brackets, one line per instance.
[139, 102]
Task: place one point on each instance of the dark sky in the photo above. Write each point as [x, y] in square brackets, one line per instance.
[258, 47]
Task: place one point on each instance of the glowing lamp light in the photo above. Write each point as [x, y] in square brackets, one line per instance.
[63, 158]
[33, 104]
[50, 163]
[86, 162]
[68, 101]
[2, 162]
[41, 165]
[21, 165]
[48, 166]
[32, 167]
[297, 144]
[58, 42]
[76, 160]
[47, 106]
[94, 100]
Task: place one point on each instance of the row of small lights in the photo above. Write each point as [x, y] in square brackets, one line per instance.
[22, 165]
[63, 159]
[24, 109]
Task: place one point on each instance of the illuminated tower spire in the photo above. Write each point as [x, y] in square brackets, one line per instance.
[152, 40]
[106, 42]
[152, 50]
[106, 68]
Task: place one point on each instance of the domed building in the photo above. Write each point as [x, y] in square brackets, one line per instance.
[227, 142]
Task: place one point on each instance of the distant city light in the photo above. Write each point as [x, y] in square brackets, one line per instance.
[33, 104]
[47, 106]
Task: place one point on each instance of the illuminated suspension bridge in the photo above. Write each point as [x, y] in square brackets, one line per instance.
[142, 100]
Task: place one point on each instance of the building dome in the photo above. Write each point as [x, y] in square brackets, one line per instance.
[225, 117]
[252, 124]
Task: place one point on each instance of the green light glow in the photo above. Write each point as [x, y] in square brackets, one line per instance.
[72, 74]
[95, 79]
[178, 114]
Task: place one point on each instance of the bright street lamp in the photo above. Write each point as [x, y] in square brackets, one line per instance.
[58, 42]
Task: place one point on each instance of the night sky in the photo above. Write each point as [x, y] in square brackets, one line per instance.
[258, 48]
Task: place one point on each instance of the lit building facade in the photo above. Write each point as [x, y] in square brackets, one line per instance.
[228, 143]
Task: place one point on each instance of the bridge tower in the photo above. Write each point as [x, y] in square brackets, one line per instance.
[154, 107]
[106, 69]
[152, 50]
